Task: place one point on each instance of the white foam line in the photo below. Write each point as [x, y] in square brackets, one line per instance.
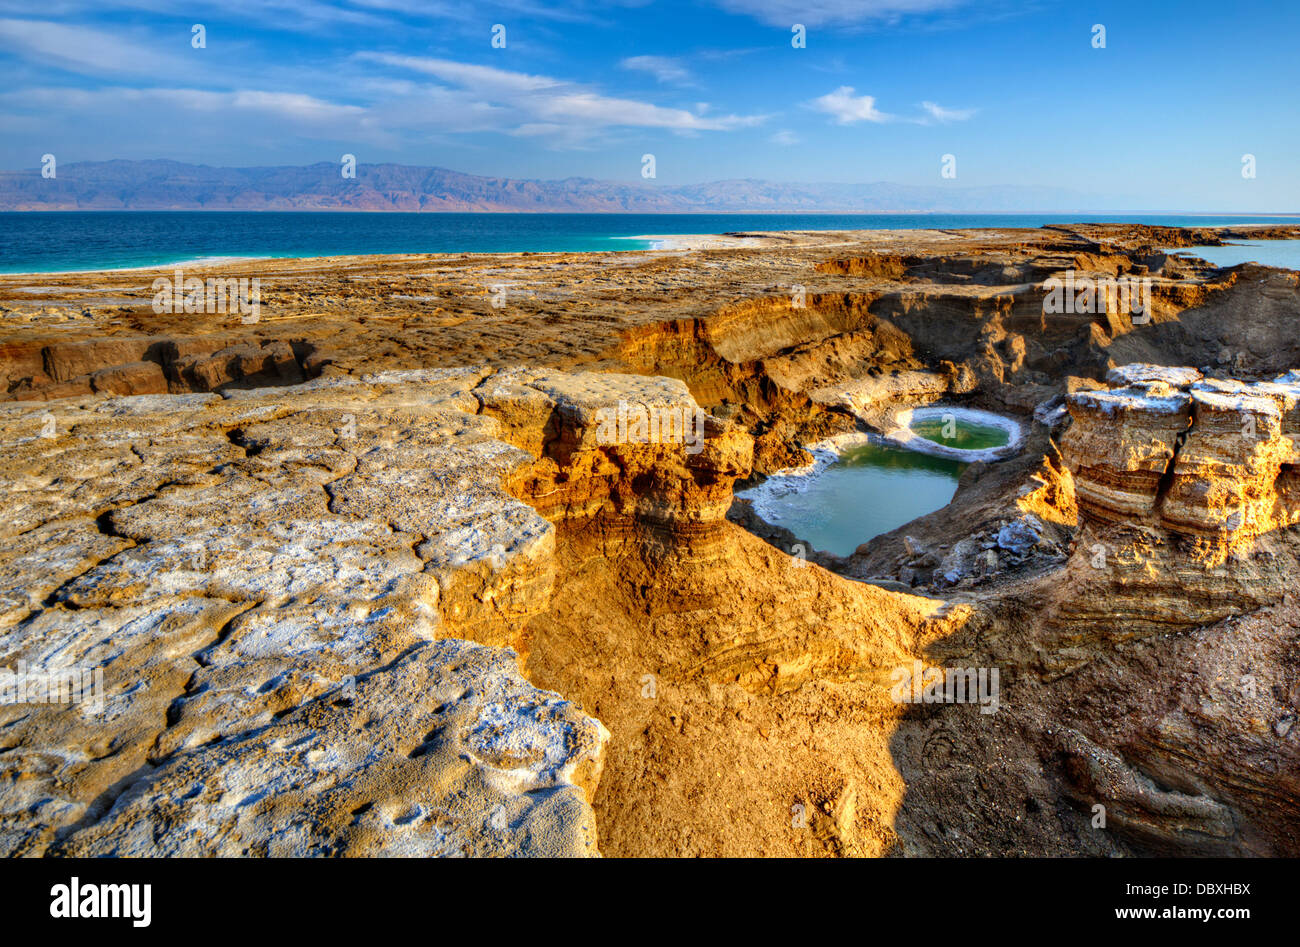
[663, 241]
[695, 241]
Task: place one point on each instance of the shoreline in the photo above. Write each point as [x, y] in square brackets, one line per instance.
[665, 243]
[204, 261]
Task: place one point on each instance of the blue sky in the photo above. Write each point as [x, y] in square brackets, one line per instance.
[1160, 117]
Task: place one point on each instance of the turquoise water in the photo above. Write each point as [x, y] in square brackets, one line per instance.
[51, 242]
[1283, 253]
[869, 490]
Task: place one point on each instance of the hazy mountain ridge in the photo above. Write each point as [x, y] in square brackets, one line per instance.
[173, 185]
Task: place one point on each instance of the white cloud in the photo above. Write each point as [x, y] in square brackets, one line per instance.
[145, 79]
[661, 67]
[248, 126]
[82, 50]
[286, 105]
[303, 16]
[940, 114]
[588, 107]
[486, 78]
[294, 105]
[823, 12]
[541, 103]
[784, 137]
[847, 108]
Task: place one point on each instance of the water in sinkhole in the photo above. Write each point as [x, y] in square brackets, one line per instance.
[868, 489]
[965, 435]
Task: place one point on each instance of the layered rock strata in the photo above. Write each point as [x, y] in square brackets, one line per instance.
[1207, 458]
[149, 365]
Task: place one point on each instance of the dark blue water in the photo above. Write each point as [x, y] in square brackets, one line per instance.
[45, 242]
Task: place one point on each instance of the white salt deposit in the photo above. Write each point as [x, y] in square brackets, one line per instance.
[903, 435]
[1142, 373]
[1130, 399]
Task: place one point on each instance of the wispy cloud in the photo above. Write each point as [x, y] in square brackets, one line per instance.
[588, 107]
[663, 68]
[846, 108]
[784, 137]
[834, 12]
[536, 104]
[82, 50]
[487, 79]
[242, 127]
[298, 16]
[942, 115]
[290, 106]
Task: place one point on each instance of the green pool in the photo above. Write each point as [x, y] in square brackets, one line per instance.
[963, 435]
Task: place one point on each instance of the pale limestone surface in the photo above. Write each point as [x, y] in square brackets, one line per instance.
[271, 585]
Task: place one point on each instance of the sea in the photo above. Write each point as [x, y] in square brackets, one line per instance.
[73, 241]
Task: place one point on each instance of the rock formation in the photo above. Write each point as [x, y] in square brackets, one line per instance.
[266, 583]
[1202, 457]
[395, 571]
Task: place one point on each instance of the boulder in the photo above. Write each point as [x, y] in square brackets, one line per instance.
[133, 378]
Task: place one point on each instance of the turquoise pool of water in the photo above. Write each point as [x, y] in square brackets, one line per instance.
[868, 490]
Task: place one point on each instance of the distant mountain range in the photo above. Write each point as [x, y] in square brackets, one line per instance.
[172, 185]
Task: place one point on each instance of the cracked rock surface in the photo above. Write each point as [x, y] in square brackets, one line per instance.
[272, 585]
